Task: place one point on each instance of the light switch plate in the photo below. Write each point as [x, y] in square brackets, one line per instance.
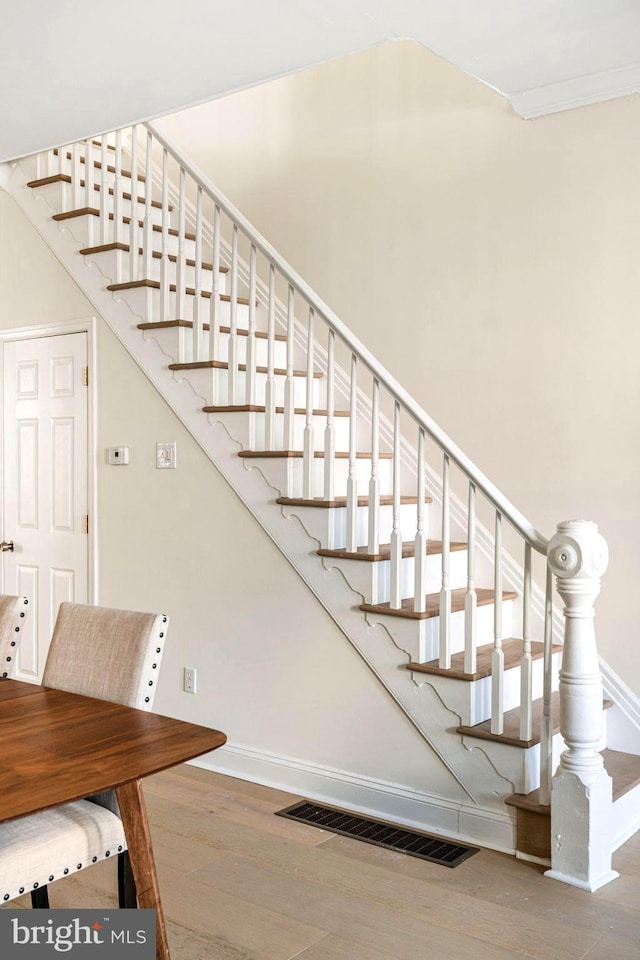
[166, 456]
[118, 456]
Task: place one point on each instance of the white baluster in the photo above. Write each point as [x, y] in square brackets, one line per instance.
[395, 598]
[420, 586]
[165, 262]
[497, 657]
[196, 351]
[329, 432]
[147, 230]
[444, 608]
[374, 483]
[181, 259]
[76, 176]
[134, 225]
[62, 155]
[526, 664]
[251, 338]
[289, 385]
[233, 325]
[352, 480]
[308, 451]
[104, 192]
[546, 728]
[581, 796]
[270, 390]
[39, 166]
[471, 597]
[117, 206]
[89, 192]
[214, 312]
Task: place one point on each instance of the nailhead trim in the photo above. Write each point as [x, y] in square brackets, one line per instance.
[66, 871]
[50, 878]
[108, 853]
[6, 896]
[146, 699]
[17, 629]
[21, 890]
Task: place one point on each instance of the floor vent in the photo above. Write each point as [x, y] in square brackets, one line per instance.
[411, 842]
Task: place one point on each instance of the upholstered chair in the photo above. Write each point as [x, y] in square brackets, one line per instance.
[111, 655]
[12, 613]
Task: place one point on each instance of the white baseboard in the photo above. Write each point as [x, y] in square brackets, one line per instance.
[458, 820]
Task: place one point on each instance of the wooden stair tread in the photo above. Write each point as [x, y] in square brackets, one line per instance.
[384, 551]
[484, 596]
[188, 324]
[94, 212]
[220, 365]
[190, 291]
[157, 255]
[111, 169]
[624, 770]
[512, 658]
[256, 408]
[385, 501]
[46, 181]
[511, 734]
[299, 454]
[529, 802]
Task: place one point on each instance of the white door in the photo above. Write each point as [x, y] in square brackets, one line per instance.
[45, 484]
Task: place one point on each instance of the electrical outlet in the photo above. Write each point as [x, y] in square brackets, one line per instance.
[189, 680]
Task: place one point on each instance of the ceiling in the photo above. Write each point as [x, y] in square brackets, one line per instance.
[74, 68]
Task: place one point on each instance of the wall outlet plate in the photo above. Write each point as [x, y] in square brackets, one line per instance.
[166, 456]
[189, 680]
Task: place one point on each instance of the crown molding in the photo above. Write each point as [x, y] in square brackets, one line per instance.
[579, 92]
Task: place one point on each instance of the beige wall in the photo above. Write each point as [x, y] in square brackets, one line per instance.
[273, 670]
[491, 263]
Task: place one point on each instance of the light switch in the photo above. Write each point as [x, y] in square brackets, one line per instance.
[166, 456]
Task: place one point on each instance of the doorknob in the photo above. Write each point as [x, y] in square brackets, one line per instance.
[6, 545]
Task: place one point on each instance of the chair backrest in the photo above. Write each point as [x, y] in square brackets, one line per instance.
[109, 654]
[12, 613]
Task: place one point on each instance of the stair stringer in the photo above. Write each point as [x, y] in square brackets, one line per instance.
[472, 768]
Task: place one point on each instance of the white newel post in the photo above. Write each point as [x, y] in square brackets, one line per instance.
[581, 803]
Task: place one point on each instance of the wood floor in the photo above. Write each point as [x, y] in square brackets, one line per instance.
[239, 883]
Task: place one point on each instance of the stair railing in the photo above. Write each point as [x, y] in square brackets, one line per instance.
[283, 277]
[272, 283]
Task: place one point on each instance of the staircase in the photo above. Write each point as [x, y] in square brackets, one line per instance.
[424, 565]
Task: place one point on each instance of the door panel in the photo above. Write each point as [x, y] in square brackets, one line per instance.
[45, 483]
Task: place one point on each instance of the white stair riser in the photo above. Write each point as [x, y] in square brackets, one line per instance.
[106, 263]
[249, 430]
[61, 196]
[522, 767]
[286, 475]
[145, 303]
[86, 231]
[372, 580]
[421, 638]
[177, 342]
[213, 387]
[471, 701]
[329, 526]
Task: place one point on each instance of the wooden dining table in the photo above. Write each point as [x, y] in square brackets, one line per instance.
[56, 747]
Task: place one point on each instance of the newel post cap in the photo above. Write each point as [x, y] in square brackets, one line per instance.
[578, 551]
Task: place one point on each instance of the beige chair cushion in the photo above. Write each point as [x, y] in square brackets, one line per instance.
[41, 848]
[109, 654]
[12, 614]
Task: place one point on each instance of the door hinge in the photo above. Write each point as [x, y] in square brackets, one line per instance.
[85, 523]
[85, 377]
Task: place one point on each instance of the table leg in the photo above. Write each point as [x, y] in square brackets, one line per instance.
[136, 830]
